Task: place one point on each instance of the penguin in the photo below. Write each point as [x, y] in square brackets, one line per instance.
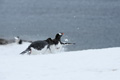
[38, 47]
[18, 40]
[48, 45]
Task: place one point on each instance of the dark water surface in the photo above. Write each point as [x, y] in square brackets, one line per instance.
[88, 23]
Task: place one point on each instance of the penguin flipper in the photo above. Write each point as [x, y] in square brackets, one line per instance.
[67, 43]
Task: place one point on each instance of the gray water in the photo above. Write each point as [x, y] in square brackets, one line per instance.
[91, 24]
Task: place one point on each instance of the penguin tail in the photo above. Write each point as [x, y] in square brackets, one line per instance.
[28, 51]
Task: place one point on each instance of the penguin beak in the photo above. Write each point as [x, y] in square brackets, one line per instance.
[62, 33]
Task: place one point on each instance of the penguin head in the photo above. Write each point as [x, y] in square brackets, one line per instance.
[18, 40]
[59, 35]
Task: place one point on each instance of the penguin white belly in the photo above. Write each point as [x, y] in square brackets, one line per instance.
[42, 51]
[56, 48]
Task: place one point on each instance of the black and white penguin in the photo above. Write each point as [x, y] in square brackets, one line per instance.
[46, 46]
[49, 45]
[38, 47]
[18, 40]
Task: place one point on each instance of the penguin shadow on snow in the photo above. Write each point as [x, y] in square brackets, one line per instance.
[46, 46]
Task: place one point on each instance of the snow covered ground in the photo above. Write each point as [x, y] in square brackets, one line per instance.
[100, 64]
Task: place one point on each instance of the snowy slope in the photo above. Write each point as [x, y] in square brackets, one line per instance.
[100, 64]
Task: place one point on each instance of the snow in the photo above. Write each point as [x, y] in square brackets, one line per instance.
[96, 64]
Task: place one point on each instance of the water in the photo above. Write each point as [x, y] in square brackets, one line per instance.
[90, 24]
